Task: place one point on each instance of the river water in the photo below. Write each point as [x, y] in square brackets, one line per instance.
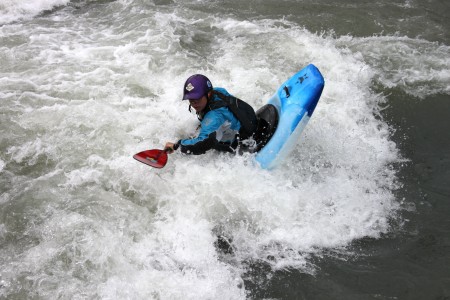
[360, 210]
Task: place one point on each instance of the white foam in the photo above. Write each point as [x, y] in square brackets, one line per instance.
[28, 152]
[107, 226]
[418, 67]
[14, 10]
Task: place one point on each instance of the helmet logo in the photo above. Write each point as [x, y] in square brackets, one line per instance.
[189, 87]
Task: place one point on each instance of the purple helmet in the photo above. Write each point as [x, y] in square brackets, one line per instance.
[196, 87]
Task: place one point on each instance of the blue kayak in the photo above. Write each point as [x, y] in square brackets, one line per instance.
[283, 118]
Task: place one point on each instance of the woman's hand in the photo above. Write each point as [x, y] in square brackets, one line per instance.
[169, 147]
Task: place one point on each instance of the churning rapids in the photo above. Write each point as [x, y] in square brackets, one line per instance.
[86, 84]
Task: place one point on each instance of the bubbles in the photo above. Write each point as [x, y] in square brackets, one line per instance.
[14, 10]
[418, 67]
[96, 87]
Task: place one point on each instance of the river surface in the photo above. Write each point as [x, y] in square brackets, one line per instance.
[360, 210]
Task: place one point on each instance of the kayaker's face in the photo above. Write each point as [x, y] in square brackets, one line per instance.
[199, 104]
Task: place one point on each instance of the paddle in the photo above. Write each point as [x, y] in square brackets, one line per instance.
[155, 158]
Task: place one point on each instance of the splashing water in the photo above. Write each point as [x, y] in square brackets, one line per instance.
[85, 87]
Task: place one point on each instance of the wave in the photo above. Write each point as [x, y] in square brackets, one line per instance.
[418, 67]
[15, 10]
[97, 222]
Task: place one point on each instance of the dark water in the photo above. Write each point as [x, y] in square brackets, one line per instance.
[79, 219]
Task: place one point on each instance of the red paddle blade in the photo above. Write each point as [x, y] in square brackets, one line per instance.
[154, 158]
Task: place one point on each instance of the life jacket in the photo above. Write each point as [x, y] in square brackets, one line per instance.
[239, 108]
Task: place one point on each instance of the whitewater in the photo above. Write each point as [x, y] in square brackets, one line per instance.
[84, 85]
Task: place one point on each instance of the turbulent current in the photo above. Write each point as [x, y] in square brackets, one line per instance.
[86, 84]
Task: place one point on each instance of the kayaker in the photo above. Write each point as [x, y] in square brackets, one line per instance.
[226, 121]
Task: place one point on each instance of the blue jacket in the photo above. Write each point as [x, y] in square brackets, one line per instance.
[219, 128]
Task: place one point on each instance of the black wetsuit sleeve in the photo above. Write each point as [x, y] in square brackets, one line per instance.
[200, 147]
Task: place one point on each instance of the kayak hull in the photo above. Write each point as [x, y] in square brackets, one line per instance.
[295, 101]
